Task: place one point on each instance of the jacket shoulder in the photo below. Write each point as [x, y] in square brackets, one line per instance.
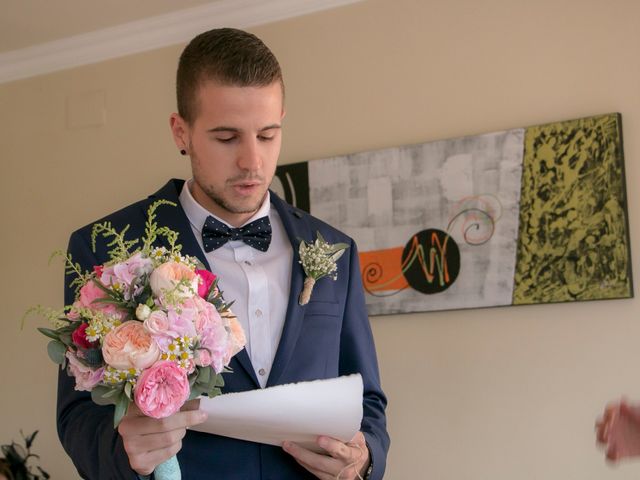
[135, 214]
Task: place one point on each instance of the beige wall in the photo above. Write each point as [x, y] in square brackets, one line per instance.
[500, 394]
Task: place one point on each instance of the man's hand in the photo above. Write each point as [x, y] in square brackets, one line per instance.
[343, 461]
[618, 430]
[149, 441]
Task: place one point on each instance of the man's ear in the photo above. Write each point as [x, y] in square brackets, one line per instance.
[180, 131]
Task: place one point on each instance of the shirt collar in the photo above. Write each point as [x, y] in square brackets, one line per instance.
[197, 214]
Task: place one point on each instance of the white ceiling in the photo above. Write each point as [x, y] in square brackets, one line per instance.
[43, 36]
[24, 23]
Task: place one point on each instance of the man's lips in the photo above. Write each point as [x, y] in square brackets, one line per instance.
[246, 187]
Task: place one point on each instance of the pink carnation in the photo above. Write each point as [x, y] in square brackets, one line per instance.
[206, 280]
[79, 337]
[161, 390]
[86, 378]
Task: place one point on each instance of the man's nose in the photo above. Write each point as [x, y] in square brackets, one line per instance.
[249, 157]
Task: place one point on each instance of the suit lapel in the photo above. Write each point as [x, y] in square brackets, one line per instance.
[176, 219]
[296, 228]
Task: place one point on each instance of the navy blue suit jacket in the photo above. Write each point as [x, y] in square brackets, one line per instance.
[328, 337]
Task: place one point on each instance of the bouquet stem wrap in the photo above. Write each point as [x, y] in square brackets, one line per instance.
[168, 470]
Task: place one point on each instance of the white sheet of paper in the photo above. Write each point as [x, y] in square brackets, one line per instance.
[297, 412]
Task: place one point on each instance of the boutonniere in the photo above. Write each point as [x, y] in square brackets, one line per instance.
[318, 259]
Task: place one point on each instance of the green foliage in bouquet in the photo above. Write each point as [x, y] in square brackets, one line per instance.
[116, 388]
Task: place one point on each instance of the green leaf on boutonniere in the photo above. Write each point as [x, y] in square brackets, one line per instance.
[318, 260]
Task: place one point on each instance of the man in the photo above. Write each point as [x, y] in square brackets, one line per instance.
[230, 109]
[618, 430]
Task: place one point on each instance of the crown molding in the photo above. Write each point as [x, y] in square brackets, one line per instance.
[152, 33]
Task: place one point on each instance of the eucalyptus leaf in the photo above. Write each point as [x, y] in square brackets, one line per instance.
[65, 338]
[48, 332]
[121, 409]
[99, 395]
[114, 392]
[214, 392]
[56, 351]
[128, 387]
[197, 390]
[204, 375]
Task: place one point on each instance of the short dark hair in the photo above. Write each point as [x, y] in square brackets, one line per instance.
[225, 55]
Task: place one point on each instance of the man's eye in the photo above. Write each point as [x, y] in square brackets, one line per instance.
[225, 139]
[264, 138]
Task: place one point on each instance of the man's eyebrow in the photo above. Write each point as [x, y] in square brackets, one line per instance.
[224, 129]
[237, 130]
[271, 127]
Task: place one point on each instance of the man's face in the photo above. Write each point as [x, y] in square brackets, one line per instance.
[234, 144]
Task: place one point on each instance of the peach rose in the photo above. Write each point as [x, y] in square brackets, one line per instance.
[237, 339]
[130, 346]
[166, 277]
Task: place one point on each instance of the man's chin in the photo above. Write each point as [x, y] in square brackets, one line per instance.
[243, 206]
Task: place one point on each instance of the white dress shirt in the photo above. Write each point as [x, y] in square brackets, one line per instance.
[257, 282]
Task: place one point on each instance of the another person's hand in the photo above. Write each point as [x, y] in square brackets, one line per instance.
[618, 430]
[343, 461]
[149, 441]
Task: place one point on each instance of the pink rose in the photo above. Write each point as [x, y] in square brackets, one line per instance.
[86, 378]
[157, 324]
[79, 337]
[89, 293]
[206, 280]
[130, 346]
[203, 357]
[167, 276]
[161, 390]
[165, 327]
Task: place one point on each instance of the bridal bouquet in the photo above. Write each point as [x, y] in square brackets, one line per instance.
[148, 327]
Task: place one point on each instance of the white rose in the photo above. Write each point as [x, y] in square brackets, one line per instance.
[142, 312]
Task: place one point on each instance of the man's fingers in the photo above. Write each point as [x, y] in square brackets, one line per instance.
[335, 448]
[135, 425]
[313, 460]
[155, 441]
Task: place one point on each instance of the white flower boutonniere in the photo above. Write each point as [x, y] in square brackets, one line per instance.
[318, 260]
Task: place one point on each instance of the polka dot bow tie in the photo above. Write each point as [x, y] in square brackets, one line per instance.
[256, 234]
